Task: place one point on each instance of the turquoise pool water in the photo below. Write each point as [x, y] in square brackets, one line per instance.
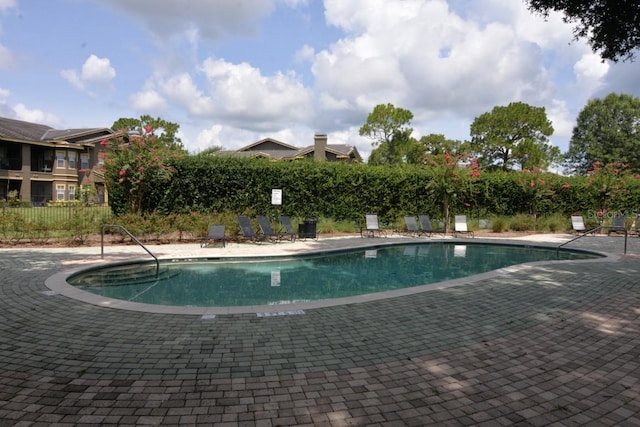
[306, 278]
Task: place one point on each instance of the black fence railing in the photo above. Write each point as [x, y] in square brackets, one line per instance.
[54, 214]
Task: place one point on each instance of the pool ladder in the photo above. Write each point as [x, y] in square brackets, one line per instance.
[105, 226]
[593, 231]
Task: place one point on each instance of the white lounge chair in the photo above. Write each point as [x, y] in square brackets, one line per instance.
[460, 226]
[372, 228]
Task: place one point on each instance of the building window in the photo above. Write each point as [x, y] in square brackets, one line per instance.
[101, 156]
[84, 161]
[60, 157]
[72, 160]
[72, 192]
[60, 192]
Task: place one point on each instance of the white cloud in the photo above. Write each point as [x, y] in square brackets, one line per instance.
[7, 4]
[561, 118]
[35, 116]
[148, 101]
[96, 73]
[305, 53]
[97, 70]
[183, 90]
[428, 58]
[590, 67]
[212, 19]
[72, 77]
[241, 93]
[7, 58]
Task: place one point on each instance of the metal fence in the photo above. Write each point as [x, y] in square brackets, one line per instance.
[55, 215]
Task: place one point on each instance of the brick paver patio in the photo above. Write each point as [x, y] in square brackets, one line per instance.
[554, 344]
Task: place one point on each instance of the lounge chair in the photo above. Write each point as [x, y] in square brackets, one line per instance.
[426, 227]
[577, 223]
[460, 226]
[247, 229]
[289, 232]
[267, 231]
[618, 225]
[413, 229]
[635, 227]
[372, 227]
[412, 226]
[216, 234]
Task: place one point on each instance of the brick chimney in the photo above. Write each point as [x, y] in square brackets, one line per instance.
[320, 146]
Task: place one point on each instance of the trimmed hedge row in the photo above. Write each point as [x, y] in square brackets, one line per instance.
[348, 191]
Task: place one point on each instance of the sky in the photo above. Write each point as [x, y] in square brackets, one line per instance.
[232, 72]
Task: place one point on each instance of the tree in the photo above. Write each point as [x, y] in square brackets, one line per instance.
[515, 134]
[134, 165]
[402, 148]
[438, 144]
[452, 177]
[612, 27]
[607, 130]
[388, 125]
[164, 131]
[211, 150]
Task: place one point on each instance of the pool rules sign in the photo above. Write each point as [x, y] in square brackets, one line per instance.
[276, 197]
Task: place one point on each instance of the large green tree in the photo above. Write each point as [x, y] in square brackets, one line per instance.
[166, 132]
[389, 128]
[516, 134]
[608, 131]
[437, 144]
[612, 27]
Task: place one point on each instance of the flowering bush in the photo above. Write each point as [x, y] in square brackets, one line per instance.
[452, 178]
[608, 183]
[136, 163]
[536, 186]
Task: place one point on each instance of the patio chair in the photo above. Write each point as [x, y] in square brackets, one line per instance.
[460, 226]
[247, 230]
[426, 227]
[635, 227]
[412, 226]
[415, 229]
[618, 225]
[267, 231]
[216, 234]
[289, 232]
[577, 224]
[371, 227]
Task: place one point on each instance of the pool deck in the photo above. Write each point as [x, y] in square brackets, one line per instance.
[548, 344]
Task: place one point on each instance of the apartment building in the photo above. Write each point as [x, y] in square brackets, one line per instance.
[44, 164]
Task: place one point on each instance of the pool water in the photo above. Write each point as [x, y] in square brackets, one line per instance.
[307, 278]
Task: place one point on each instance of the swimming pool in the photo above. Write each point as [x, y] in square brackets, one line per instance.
[279, 281]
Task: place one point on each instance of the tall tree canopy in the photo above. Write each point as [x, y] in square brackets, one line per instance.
[438, 144]
[389, 128]
[515, 134]
[607, 130]
[164, 131]
[612, 27]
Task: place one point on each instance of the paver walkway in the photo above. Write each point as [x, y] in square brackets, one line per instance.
[554, 344]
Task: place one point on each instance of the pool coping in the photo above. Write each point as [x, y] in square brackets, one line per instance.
[58, 285]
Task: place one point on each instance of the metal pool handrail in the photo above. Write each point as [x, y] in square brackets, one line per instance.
[593, 230]
[133, 238]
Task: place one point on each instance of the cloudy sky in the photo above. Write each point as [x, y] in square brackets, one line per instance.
[231, 72]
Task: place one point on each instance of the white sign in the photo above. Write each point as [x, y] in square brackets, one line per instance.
[276, 197]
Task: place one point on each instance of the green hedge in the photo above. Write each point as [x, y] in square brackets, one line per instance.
[348, 191]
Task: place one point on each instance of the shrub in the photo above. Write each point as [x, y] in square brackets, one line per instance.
[522, 222]
[499, 224]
